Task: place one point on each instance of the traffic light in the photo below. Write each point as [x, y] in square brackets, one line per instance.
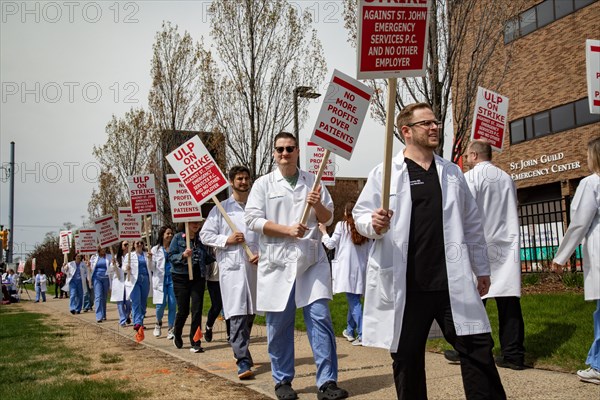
[4, 237]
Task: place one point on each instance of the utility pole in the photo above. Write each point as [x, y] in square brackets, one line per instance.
[11, 204]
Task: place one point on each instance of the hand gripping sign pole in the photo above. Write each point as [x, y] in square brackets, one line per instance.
[232, 225]
[187, 247]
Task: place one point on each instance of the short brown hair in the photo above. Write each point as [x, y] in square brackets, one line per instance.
[405, 115]
[594, 154]
[482, 148]
[285, 135]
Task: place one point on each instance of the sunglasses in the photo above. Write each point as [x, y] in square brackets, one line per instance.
[125, 244]
[289, 149]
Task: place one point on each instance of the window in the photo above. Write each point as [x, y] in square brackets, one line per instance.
[517, 131]
[541, 124]
[527, 21]
[557, 119]
[582, 113]
[539, 16]
[563, 117]
[563, 8]
[545, 13]
[511, 30]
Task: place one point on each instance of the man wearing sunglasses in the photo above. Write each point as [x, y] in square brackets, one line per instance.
[429, 249]
[293, 271]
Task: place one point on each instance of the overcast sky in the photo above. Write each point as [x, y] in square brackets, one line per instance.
[67, 67]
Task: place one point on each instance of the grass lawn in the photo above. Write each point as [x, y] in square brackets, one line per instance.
[35, 364]
[558, 330]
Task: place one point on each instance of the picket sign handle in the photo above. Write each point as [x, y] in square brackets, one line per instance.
[129, 265]
[148, 232]
[65, 258]
[187, 246]
[389, 145]
[315, 185]
[231, 224]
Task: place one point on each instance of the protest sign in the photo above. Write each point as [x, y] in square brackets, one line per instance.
[314, 156]
[197, 170]
[489, 118]
[106, 230]
[592, 56]
[130, 226]
[342, 114]
[392, 38]
[142, 191]
[183, 205]
[65, 238]
[88, 242]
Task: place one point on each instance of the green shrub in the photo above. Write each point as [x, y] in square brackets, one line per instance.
[530, 279]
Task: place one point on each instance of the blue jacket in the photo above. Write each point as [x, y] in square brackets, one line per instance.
[200, 256]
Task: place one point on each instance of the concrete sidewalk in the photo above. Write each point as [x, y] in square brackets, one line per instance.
[364, 372]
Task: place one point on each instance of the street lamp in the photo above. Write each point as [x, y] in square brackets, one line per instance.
[307, 93]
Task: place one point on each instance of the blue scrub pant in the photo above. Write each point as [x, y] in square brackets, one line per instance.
[75, 296]
[355, 313]
[101, 286]
[170, 301]
[319, 328]
[38, 293]
[593, 358]
[139, 297]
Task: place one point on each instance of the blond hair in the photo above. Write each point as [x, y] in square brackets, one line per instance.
[594, 154]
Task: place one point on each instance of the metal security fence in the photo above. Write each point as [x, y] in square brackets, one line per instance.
[542, 227]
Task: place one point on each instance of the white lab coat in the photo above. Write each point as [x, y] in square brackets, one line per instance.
[284, 260]
[42, 282]
[131, 264]
[349, 267]
[158, 275]
[385, 292]
[117, 283]
[496, 199]
[69, 270]
[585, 229]
[237, 276]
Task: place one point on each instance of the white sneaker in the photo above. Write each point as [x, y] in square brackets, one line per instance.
[347, 335]
[589, 375]
[170, 334]
[357, 342]
[157, 331]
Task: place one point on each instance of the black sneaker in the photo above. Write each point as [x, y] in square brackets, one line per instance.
[503, 363]
[73, 312]
[330, 391]
[196, 349]
[178, 341]
[208, 334]
[452, 356]
[284, 391]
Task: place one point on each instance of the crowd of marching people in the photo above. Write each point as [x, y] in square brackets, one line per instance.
[259, 256]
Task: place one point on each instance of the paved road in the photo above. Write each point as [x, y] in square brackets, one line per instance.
[364, 372]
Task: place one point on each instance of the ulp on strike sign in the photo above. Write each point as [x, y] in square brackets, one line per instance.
[197, 170]
[490, 116]
[142, 191]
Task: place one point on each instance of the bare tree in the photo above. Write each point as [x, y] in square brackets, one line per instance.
[459, 31]
[174, 99]
[129, 150]
[267, 49]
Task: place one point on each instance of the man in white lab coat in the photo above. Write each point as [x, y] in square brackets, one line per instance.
[429, 246]
[292, 269]
[237, 273]
[496, 198]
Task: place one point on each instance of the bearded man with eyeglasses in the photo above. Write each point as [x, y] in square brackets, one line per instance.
[428, 262]
[293, 271]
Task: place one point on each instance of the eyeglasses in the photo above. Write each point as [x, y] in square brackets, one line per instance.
[289, 149]
[426, 123]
